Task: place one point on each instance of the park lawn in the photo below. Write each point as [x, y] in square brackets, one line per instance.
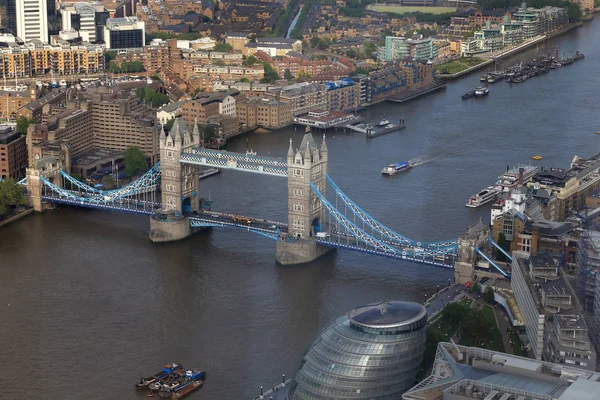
[516, 344]
[459, 65]
[409, 9]
[492, 340]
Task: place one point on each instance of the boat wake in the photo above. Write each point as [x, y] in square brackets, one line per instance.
[423, 160]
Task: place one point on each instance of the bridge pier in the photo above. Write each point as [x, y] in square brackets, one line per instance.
[464, 268]
[166, 227]
[290, 251]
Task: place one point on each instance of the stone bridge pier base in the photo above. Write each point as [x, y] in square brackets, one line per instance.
[169, 227]
[298, 251]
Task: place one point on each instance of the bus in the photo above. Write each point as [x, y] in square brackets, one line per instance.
[243, 220]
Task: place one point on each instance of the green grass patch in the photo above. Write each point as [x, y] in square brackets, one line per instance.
[491, 339]
[409, 9]
[516, 344]
[458, 65]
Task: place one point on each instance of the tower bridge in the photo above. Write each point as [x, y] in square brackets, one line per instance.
[317, 221]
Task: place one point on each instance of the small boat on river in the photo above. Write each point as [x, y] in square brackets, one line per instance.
[167, 370]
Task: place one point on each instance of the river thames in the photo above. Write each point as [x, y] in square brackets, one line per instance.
[88, 304]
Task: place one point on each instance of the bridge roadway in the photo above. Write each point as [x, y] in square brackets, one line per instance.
[123, 204]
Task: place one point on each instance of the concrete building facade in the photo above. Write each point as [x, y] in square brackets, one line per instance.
[32, 19]
[13, 153]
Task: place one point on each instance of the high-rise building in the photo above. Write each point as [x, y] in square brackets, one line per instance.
[32, 19]
[415, 49]
[124, 33]
[10, 20]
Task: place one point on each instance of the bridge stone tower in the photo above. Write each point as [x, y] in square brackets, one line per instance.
[179, 184]
[48, 168]
[476, 236]
[306, 215]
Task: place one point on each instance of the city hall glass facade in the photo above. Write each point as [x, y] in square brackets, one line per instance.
[373, 353]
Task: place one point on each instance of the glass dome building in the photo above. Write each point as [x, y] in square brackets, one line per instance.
[372, 353]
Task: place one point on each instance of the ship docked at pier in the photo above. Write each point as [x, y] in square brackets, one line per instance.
[172, 382]
[506, 182]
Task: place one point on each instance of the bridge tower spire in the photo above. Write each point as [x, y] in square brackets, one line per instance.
[306, 214]
[179, 184]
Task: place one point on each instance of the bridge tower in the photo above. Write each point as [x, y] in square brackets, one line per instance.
[306, 214]
[48, 168]
[476, 236]
[179, 184]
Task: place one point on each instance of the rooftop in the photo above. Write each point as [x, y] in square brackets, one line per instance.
[471, 372]
[387, 314]
[94, 155]
[8, 134]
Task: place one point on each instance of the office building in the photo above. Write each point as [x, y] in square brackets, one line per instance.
[124, 33]
[32, 20]
[13, 153]
[465, 373]
[554, 327]
[82, 18]
[372, 353]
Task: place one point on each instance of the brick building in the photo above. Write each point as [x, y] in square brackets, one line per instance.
[13, 153]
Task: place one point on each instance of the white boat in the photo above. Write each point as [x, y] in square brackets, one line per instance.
[62, 83]
[481, 91]
[510, 179]
[383, 122]
[485, 196]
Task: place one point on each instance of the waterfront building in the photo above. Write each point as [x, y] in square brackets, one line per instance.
[13, 153]
[554, 326]
[364, 83]
[344, 95]
[572, 186]
[461, 372]
[266, 113]
[490, 39]
[416, 49]
[372, 353]
[204, 106]
[586, 5]
[303, 97]
[124, 33]
[323, 119]
[537, 22]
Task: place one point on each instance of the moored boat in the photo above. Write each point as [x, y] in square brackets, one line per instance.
[485, 196]
[537, 157]
[187, 389]
[191, 376]
[165, 372]
[481, 91]
[468, 95]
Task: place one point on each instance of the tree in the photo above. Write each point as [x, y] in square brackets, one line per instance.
[22, 125]
[474, 324]
[351, 53]
[476, 288]
[244, 80]
[488, 294]
[504, 244]
[195, 92]
[108, 181]
[169, 124]
[11, 195]
[574, 12]
[454, 312]
[251, 60]
[134, 161]
[223, 47]
[409, 33]
[314, 41]
[270, 74]
[287, 74]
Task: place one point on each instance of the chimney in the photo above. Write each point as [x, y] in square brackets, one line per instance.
[521, 176]
[535, 237]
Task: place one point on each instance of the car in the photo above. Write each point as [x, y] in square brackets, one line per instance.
[273, 226]
[215, 215]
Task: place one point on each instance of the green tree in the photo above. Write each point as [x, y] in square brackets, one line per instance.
[270, 74]
[108, 181]
[574, 12]
[488, 294]
[454, 312]
[109, 55]
[475, 288]
[244, 80]
[223, 47]
[474, 324]
[134, 161]
[287, 74]
[351, 53]
[11, 194]
[504, 244]
[251, 60]
[409, 33]
[314, 41]
[22, 125]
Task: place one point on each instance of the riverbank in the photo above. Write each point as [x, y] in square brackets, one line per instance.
[509, 52]
[16, 217]
[415, 94]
